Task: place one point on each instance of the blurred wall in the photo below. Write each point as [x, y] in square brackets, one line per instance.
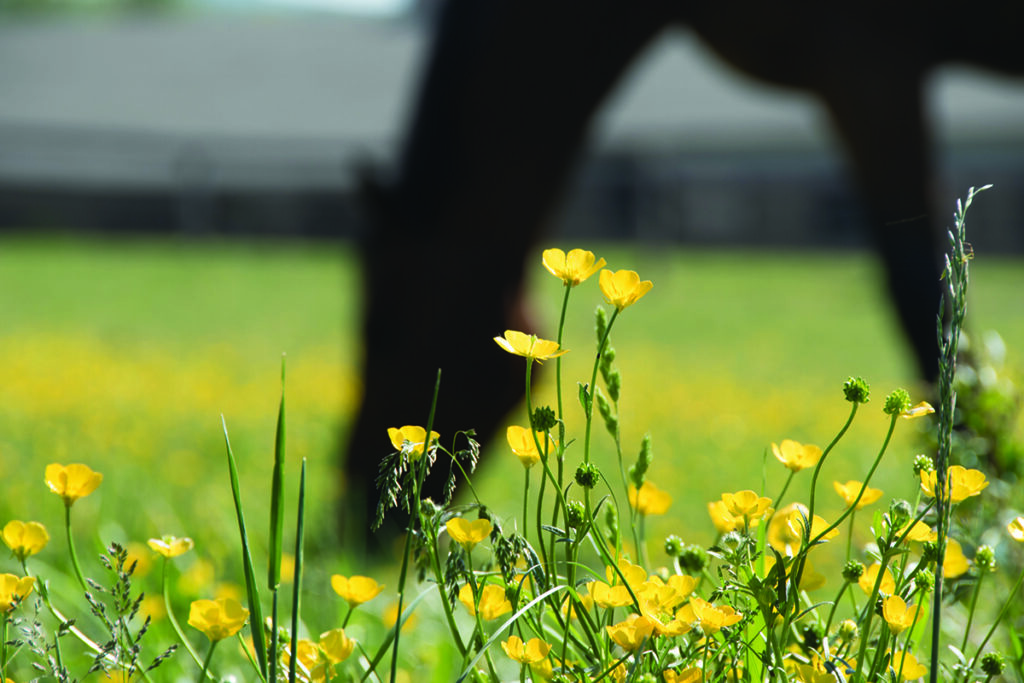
[257, 124]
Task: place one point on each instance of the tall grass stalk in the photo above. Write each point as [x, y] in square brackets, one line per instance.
[954, 301]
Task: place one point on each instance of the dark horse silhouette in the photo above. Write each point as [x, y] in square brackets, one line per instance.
[502, 113]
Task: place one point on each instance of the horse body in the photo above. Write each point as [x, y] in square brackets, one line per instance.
[502, 114]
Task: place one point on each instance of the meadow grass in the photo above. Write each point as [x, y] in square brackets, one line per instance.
[123, 354]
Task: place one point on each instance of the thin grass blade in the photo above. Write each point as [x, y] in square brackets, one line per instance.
[255, 612]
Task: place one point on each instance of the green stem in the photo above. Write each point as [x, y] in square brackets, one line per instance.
[970, 613]
[71, 549]
[995, 624]
[592, 387]
[171, 618]
[206, 662]
[3, 651]
[415, 517]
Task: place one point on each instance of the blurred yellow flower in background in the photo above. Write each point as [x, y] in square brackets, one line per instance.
[870, 575]
[468, 534]
[649, 499]
[72, 482]
[411, 438]
[572, 268]
[954, 563]
[171, 546]
[1016, 529]
[911, 668]
[795, 455]
[849, 491]
[14, 589]
[529, 346]
[920, 410]
[355, 589]
[336, 645]
[217, 619]
[25, 538]
[623, 287]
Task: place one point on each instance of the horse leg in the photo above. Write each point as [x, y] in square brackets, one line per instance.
[880, 119]
[502, 112]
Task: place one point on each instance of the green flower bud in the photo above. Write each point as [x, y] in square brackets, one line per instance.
[853, 570]
[985, 558]
[897, 402]
[544, 419]
[923, 463]
[856, 390]
[925, 580]
[693, 559]
[577, 513]
[673, 546]
[647, 678]
[992, 663]
[899, 512]
[587, 475]
[848, 630]
[732, 540]
[930, 552]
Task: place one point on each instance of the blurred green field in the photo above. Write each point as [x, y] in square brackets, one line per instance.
[123, 354]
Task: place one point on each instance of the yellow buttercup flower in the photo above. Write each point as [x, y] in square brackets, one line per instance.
[531, 652]
[795, 455]
[14, 589]
[336, 645]
[849, 491]
[632, 633]
[1016, 529]
[911, 668]
[493, 601]
[522, 443]
[25, 538]
[529, 346]
[355, 590]
[607, 596]
[899, 615]
[466, 533]
[692, 674]
[72, 482]
[572, 268]
[961, 483]
[411, 439]
[217, 619]
[722, 518]
[170, 546]
[870, 575]
[713, 619]
[920, 410]
[747, 505]
[954, 563]
[623, 287]
[919, 532]
[649, 500]
[786, 529]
